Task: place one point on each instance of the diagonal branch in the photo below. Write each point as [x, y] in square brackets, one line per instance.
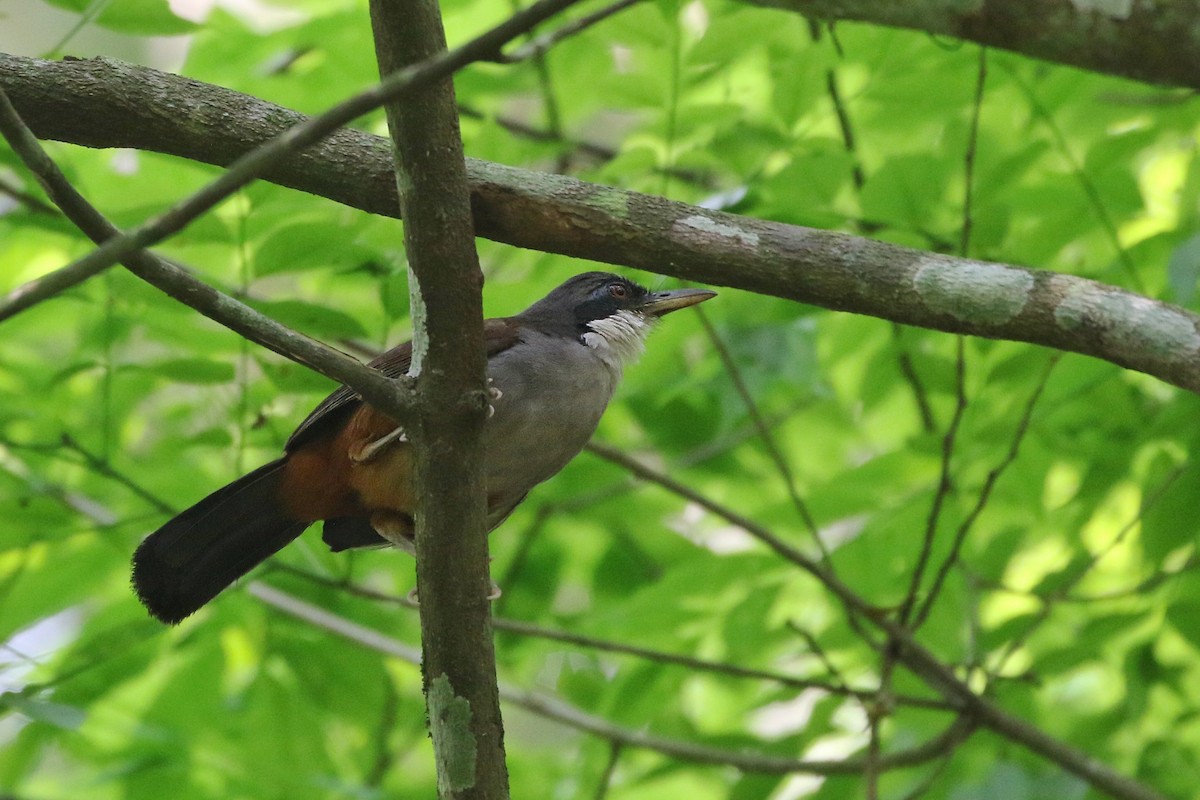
[552, 708]
[985, 493]
[389, 394]
[106, 104]
[530, 630]
[1135, 39]
[250, 165]
[764, 432]
[919, 660]
[542, 44]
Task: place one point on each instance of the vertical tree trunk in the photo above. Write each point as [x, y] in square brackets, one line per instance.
[445, 287]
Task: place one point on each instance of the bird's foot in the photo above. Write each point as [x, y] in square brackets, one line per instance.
[367, 451]
[494, 395]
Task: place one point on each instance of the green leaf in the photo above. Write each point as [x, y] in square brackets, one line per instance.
[1184, 617]
[190, 370]
[311, 318]
[307, 244]
[136, 17]
[38, 710]
[1183, 270]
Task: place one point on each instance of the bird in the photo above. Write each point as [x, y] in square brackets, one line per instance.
[551, 369]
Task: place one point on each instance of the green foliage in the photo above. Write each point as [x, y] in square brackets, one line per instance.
[137, 17]
[1074, 600]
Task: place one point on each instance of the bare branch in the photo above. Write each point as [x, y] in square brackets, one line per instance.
[1140, 40]
[254, 163]
[1086, 184]
[610, 769]
[386, 393]
[764, 431]
[909, 372]
[102, 467]
[919, 660]
[945, 484]
[542, 44]
[28, 199]
[1063, 590]
[592, 150]
[532, 631]
[552, 708]
[985, 493]
[99, 103]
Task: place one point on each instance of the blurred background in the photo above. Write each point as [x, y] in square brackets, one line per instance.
[1058, 494]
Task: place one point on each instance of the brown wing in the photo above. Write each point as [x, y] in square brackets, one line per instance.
[333, 412]
[335, 409]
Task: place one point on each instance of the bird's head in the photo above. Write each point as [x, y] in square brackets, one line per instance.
[608, 313]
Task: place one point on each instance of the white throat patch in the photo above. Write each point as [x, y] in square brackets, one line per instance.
[618, 339]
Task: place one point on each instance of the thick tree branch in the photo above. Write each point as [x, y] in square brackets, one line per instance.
[392, 395]
[102, 103]
[1147, 40]
[446, 289]
[247, 167]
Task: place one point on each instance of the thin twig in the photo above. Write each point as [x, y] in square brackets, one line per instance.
[539, 45]
[819, 653]
[1062, 590]
[610, 770]
[926, 783]
[27, 199]
[985, 494]
[908, 371]
[103, 467]
[252, 164]
[849, 142]
[968, 219]
[550, 108]
[839, 105]
[764, 431]
[945, 484]
[389, 394]
[555, 709]
[915, 656]
[530, 630]
[1147, 584]
[1095, 199]
[876, 713]
[92, 462]
[593, 150]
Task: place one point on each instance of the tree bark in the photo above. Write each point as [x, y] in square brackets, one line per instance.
[1148, 40]
[102, 103]
[445, 287]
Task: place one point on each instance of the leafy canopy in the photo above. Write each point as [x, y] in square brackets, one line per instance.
[1073, 600]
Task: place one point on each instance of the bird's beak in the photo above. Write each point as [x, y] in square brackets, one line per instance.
[659, 303]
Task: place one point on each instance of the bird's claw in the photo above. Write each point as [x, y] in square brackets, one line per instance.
[493, 395]
[367, 451]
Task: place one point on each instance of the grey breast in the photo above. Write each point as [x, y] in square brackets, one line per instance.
[554, 391]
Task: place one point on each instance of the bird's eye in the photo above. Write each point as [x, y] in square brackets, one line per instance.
[617, 290]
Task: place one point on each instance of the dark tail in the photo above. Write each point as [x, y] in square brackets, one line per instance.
[188, 561]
